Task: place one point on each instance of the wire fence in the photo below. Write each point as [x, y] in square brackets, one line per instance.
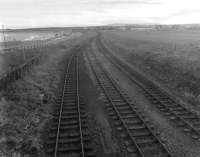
[21, 70]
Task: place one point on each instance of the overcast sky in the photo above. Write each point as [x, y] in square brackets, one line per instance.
[42, 13]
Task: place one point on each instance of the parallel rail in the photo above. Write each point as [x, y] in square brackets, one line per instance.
[137, 135]
[69, 134]
[182, 117]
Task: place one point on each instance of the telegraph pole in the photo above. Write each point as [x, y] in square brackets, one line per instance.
[4, 37]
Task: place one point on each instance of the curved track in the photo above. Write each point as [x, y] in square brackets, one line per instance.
[69, 135]
[184, 118]
[138, 137]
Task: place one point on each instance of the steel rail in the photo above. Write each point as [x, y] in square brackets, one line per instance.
[61, 107]
[74, 57]
[115, 85]
[110, 100]
[79, 112]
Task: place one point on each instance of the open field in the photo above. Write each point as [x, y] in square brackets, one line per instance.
[23, 36]
[33, 34]
[158, 36]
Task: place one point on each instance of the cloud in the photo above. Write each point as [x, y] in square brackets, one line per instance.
[119, 2]
[183, 12]
[181, 16]
[37, 13]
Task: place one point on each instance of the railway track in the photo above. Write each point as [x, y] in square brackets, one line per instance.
[69, 135]
[181, 116]
[138, 137]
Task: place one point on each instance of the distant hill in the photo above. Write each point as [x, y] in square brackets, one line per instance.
[47, 29]
[157, 26]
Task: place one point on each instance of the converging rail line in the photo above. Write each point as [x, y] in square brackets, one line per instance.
[138, 137]
[182, 117]
[69, 134]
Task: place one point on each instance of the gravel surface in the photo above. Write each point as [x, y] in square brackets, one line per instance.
[107, 142]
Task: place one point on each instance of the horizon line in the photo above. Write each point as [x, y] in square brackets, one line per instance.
[80, 26]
